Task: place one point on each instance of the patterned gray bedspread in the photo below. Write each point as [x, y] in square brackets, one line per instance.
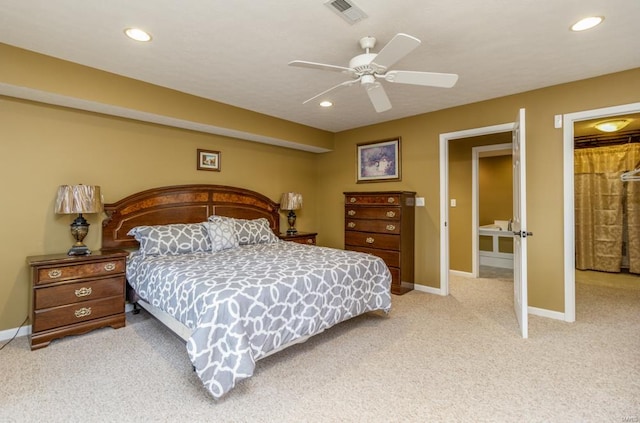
[248, 301]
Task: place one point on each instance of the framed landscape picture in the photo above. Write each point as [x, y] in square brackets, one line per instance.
[209, 160]
[379, 161]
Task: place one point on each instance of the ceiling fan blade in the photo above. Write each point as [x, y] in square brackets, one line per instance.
[342, 84]
[429, 79]
[321, 66]
[378, 97]
[396, 49]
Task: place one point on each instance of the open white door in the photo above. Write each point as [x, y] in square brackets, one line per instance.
[520, 234]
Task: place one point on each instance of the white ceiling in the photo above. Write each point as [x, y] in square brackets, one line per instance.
[236, 52]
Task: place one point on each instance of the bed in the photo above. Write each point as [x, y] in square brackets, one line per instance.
[206, 262]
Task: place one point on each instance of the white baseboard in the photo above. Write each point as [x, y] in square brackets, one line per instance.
[461, 273]
[5, 335]
[542, 312]
[427, 289]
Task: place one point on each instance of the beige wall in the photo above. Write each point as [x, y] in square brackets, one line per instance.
[420, 172]
[45, 146]
[461, 189]
[495, 189]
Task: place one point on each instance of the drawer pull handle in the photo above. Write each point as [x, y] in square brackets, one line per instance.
[369, 240]
[351, 212]
[352, 199]
[391, 227]
[309, 241]
[109, 267]
[391, 200]
[55, 273]
[83, 292]
[391, 214]
[351, 224]
[83, 312]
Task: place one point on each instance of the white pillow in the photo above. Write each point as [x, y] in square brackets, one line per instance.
[222, 235]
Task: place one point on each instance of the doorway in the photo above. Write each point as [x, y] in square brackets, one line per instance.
[569, 120]
[445, 139]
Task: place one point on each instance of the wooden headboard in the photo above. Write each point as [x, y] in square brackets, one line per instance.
[182, 204]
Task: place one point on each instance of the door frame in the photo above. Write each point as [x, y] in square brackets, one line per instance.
[475, 199]
[444, 192]
[568, 192]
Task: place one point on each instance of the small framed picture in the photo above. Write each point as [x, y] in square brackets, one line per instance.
[379, 161]
[209, 160]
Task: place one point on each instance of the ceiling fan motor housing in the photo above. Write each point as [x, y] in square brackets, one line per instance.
[362, 63]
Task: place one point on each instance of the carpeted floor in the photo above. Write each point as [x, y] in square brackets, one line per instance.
[437, 359]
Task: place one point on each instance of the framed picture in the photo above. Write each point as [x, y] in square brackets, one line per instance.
[379, 161]
[209, 160]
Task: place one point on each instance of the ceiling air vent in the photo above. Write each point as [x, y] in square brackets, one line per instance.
[347, 9]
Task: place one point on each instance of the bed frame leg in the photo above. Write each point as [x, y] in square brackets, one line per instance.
[136, 308]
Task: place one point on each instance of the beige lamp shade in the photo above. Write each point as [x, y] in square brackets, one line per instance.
[291, 201]
[73, 199]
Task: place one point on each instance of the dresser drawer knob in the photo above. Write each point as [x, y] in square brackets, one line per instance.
[83, 312]
[391, 200]
[309, 241]
[352, 199]
[369, 240]
[109, 267]
[83, 292]
[391, 214]
[391, 227]
[351, 224]
[55, 273]
[351, 212]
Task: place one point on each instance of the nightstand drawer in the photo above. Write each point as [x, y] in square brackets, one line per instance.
[77, 313]
[78, 291]
[62, 273]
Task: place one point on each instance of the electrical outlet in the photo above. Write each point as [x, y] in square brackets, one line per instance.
[453, 202]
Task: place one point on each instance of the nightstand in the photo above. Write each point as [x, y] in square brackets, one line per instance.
[300, 237]
[72, 295]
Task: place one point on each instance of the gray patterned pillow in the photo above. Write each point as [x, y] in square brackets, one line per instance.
[254, 231]
[179, 238]
[222, 234]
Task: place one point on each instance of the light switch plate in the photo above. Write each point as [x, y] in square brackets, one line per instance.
[419, 201]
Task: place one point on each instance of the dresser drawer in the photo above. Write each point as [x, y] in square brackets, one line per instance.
[381, 213]
[377, 198]
[62, 273]
[391, 258]
[77, 313]
[380, 226]
[78, 291]
[364, 239]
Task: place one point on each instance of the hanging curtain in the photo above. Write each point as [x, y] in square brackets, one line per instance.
[605, 207]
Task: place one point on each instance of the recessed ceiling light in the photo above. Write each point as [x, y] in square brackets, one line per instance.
[612, 125]
[587, 23]
[326, 103]
[137, 34]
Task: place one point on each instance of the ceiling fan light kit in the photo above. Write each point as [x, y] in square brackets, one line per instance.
[369, 67]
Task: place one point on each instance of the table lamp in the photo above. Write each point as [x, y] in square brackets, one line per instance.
[79, 199]
[291, 201]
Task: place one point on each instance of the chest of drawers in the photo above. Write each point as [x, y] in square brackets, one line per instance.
[382, 223]
[73, 295]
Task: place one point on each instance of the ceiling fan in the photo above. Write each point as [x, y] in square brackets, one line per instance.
[368, 68]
